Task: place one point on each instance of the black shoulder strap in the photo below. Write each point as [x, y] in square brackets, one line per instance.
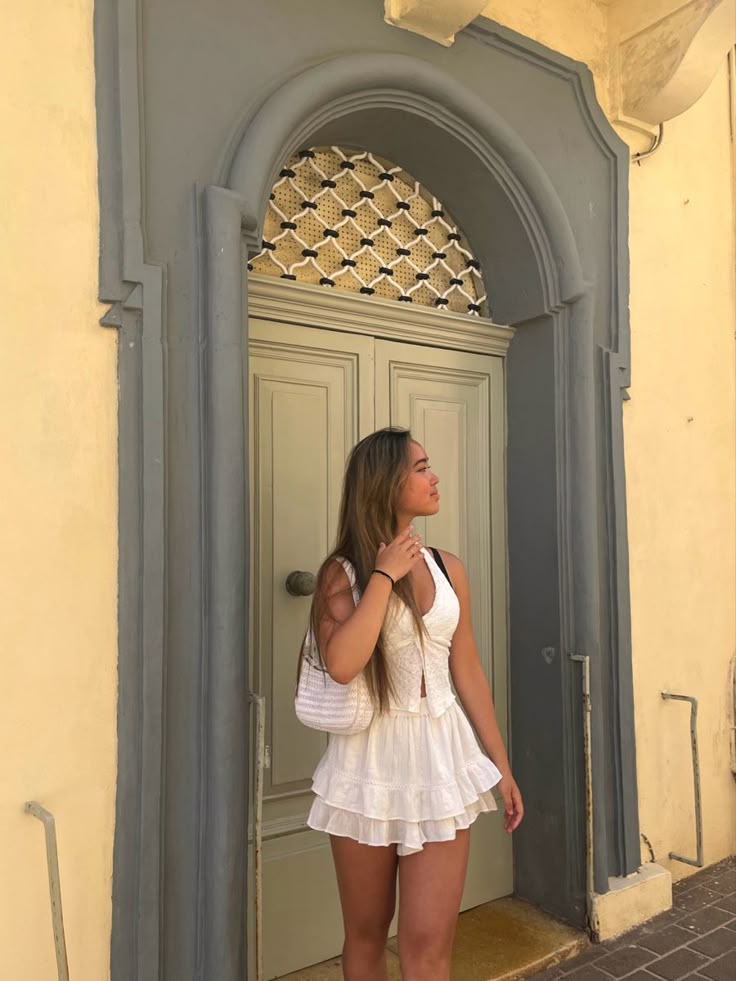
[441, 564]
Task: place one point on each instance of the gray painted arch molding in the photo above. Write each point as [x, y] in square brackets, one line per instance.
[291, 115]
[332, 97]
[493, 107]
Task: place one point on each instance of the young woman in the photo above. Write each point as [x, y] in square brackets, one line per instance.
[402, 794]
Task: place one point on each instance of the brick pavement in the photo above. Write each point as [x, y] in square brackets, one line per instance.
[695, 939]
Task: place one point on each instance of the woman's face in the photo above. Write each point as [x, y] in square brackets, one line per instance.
[419, 496]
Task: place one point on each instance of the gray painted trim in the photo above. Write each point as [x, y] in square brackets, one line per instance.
[286, 120]
[616, 362]
[303, 303]
[342, 85]
[135, 288]
[572, 732]
[580, 78]
[627, 845]
[225, 797]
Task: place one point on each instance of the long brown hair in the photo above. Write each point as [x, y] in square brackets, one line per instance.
[374, 475]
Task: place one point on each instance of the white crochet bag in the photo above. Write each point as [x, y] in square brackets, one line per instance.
[325, 704]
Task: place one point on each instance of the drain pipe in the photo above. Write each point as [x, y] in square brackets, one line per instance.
[584, 661]
[698, 862]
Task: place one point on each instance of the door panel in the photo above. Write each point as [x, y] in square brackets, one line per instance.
[311, 397]
[313, 394]
[453, 403]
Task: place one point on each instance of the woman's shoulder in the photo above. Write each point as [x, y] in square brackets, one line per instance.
[334, 572]
[334, 589]
[449, 557]
[453, 564]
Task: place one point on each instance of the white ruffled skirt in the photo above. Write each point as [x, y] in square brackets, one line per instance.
[407, 779]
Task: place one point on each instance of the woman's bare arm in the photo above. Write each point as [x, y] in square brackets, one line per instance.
[349, 634]
[474, 692]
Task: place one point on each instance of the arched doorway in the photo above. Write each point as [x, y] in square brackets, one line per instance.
[509, 135]
[566, 538]
[364, 310]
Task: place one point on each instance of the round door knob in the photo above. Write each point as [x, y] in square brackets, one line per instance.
[300, 583]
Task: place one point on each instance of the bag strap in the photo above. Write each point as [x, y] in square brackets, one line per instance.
[350, 572]
[441, 564]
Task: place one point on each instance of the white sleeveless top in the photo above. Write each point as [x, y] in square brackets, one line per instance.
[416, 773]
[408, 660]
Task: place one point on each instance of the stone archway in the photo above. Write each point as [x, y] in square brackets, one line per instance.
[564, 445]
[511, 135]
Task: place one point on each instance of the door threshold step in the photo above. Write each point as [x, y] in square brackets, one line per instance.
[504, 940]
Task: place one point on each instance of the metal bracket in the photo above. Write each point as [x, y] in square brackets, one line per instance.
[697, 862]
[52, 861]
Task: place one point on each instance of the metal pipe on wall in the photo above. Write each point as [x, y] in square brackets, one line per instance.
[698, 862]
[584, 661]
[52, 861]
[656, 144]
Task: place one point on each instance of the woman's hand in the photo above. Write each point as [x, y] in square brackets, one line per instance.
[401, 555]
[512, 803]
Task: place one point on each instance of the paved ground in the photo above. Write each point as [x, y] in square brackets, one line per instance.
[695, 939]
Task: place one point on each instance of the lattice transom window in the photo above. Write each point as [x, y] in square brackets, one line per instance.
[353, 221]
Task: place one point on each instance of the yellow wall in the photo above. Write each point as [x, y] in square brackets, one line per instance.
[680, 433]
[58, 472]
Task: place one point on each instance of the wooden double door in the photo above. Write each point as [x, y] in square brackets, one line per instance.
[313, 394]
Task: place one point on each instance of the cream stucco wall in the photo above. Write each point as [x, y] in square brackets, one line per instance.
[58, 471]
[680, 432]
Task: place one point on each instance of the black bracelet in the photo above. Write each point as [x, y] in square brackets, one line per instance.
[382, 573]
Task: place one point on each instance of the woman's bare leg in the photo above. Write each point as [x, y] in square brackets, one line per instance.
[431, 886]
[366, 878]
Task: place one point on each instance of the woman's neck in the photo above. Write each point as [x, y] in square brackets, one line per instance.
[403, 521]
